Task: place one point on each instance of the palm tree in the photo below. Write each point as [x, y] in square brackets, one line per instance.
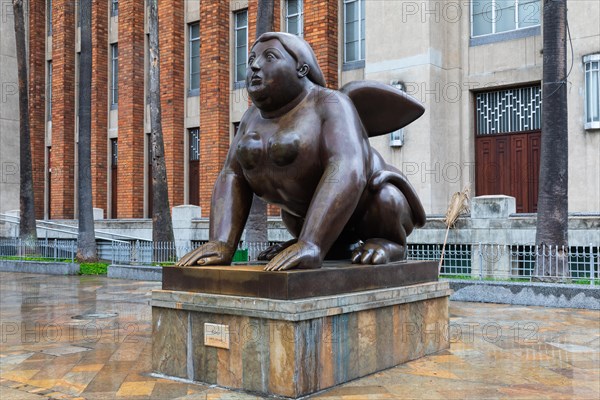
[86, 238]
[27, 228]
[552, 213]
[162, 225]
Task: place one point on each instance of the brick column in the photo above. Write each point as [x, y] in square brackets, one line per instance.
[37, 99]
[321, 31]
[63, 108]
[99, 103]
[131, 109]
[215, 88]
[172, 48]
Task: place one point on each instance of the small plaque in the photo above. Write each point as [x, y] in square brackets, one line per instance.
[216, 335]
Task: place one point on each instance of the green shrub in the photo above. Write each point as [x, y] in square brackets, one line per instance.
[98, 268]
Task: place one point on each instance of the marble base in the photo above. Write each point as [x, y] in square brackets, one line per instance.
[295, 347]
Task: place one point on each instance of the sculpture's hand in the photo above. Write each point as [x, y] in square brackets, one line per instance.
[300, 255]
[211, 253]
[272, 251]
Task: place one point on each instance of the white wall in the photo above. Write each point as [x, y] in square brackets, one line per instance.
[9, 113]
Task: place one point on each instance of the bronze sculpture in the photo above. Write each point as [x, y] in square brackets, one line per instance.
[305, 148]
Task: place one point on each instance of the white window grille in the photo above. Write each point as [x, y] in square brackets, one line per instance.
[294, 17]
[241, 44]
[194, 145]
[354, 30]
[592, 91]
[508, 110]
[496, 16]
[114, 153]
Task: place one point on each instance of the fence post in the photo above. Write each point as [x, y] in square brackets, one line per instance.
[480, 262]
[592, 265]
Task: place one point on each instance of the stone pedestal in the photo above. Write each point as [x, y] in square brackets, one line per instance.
[296, 347]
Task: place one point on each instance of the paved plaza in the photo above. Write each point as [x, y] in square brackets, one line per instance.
[90, 337]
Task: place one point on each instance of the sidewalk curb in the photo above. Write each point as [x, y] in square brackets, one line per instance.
[39, 267]
[527, 293]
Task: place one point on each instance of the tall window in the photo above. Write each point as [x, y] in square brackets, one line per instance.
[592, 91]
[397, 137]
[49, 93]
[114, 163]
[241, 44]
[496, 16]
[49, 17]
[114, 8]
[194, 51]
[114, 77]
[354, 30]
[294, 10]
[194, 166]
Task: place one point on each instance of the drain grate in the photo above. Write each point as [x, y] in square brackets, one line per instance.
[95, 316]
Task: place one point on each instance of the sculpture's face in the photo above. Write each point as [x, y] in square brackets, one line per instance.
[272, 78]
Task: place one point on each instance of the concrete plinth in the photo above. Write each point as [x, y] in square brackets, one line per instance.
[295, 347]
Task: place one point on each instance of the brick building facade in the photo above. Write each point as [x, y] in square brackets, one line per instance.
[120, 126]
[464, 67]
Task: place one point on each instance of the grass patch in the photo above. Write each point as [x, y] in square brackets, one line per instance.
[34, 258]
[164, 264]
[97, 268]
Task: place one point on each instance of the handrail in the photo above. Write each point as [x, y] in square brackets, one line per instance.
[72, 230]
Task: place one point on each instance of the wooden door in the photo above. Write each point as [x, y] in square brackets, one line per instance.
[509, 164]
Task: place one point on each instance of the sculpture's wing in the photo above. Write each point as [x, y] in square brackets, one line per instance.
[382, 108]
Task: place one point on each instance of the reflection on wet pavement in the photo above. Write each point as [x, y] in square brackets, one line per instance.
[90, 337]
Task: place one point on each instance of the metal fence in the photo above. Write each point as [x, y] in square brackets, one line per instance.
[38, 250]
[165, 253]
[580, 264]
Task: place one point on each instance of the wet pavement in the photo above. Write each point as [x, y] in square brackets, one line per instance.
[90, 337]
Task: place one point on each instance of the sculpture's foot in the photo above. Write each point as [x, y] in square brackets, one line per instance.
[378, 251]
[270, 252]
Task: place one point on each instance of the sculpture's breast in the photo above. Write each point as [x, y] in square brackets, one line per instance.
[250, 150]
[283, 148]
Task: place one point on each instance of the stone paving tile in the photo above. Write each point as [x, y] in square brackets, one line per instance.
[497, 351]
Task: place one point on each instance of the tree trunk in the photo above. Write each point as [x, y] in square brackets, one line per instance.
[552, 213]
[27, 228]
[86, 238]
[162, 225]
[256, 226]
[265, 17]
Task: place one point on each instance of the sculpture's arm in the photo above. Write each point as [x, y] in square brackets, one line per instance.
[230, 203]
[344, 156]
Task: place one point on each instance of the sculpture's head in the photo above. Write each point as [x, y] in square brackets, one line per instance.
[277, 67]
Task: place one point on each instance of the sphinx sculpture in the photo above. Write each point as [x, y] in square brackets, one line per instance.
[305, 148]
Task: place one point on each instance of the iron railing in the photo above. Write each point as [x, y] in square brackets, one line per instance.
[38, 250]
[514, 262]
[579, 264]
